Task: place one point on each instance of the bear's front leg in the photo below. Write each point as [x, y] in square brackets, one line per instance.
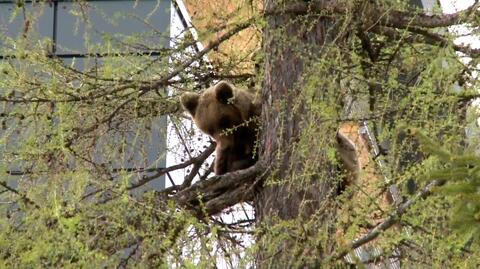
[222, 159]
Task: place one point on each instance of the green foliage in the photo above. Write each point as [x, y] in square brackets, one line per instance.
[461, 171]
[75, 144]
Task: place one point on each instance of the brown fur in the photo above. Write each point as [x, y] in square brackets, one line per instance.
[363, 178]
[226, 114]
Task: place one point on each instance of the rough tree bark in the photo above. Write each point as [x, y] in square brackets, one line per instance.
[288, 46]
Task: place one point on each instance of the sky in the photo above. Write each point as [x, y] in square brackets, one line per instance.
[452, 6]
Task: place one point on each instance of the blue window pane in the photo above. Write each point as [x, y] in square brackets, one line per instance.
[116, 21]
[38, 20]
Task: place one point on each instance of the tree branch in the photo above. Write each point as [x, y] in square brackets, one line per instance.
[391, 220]
[211, 196]
[22, 195]
[165, 80]
[212, 45]
[421, 19]
[424, 36]
[195, 161]
[392, 18]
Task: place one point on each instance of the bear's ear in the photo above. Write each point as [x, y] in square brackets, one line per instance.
[189, 102]
[223, 91]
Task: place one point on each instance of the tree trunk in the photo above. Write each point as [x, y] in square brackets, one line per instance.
[295, 202]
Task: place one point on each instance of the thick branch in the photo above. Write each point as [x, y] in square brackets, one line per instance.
[219, 192]
[421, 19]
[393, 18]
[380, 20]
[232, 197]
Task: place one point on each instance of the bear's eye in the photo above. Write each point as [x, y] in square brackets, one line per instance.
[224, 123]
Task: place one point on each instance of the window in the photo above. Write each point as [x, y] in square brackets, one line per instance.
[86, 35]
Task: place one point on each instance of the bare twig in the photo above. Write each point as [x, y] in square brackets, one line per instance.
[124, 261]
[22, 195]
[212, 45]
[199, 159]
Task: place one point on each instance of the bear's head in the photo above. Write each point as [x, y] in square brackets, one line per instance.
[226, 114]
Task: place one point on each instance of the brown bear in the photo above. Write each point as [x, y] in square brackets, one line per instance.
[228, 115]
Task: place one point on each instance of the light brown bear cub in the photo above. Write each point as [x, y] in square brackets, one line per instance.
[227, 114]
